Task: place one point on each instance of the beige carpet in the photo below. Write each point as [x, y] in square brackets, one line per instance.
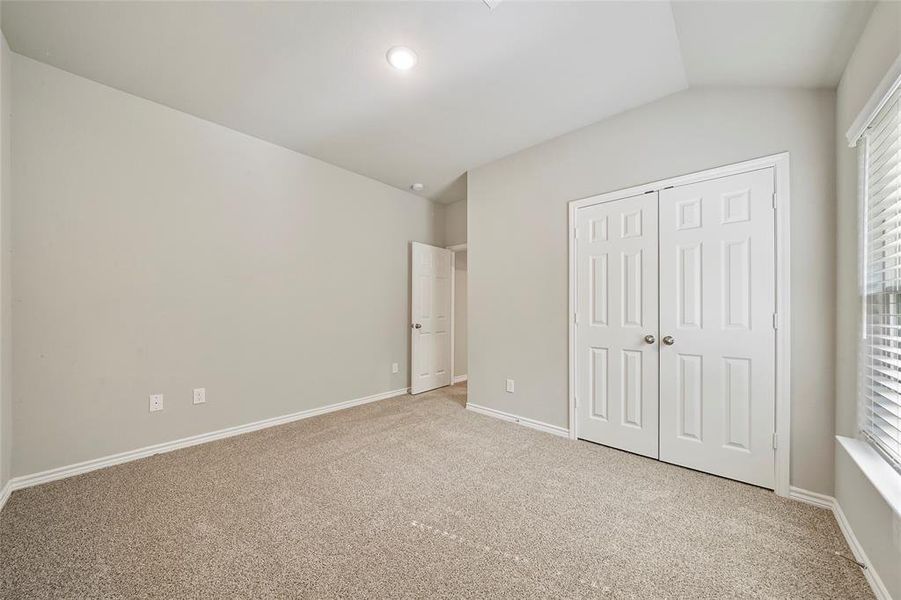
[414, 498]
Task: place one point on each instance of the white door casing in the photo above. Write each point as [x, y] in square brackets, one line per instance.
[778, 166]
[430, 329]
[718, 304]
[616, 308]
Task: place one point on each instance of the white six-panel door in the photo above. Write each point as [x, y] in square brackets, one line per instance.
[717, 279]
[430, 339]
[616, 310]
[700, 325]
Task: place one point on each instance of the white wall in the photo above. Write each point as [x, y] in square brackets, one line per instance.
[517, 240]
[157, 252]
[869, 515]
[6, 437]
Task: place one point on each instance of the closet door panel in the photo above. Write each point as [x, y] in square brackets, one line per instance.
[616, 368]
[718, 297]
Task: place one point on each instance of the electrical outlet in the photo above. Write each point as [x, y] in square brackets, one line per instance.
[394, 368]
[199, 395]
[156, 402]
[511, 386]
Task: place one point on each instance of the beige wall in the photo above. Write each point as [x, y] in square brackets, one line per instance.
[878, 48]
[156, 252]
[876, 527]
[517, 240]
[455, 233]
[6, 438]
[460, 316]
[455, 223]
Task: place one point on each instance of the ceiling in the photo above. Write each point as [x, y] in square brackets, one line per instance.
[312, 76]
[765, 43]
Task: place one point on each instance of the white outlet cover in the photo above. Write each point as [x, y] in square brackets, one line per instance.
[511, 385]
[156, 402]
[199, 395]
[394, 368]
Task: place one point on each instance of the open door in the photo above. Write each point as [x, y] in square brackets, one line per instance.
[430, 330]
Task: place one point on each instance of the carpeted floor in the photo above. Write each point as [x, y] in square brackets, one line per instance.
[414, 498]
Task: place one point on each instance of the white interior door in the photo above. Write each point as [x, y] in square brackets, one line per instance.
[616, 309]
[718, 303]
[430, 332]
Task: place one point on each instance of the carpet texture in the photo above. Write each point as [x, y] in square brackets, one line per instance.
[414, 498]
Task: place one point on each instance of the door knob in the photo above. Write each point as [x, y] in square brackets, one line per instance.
[669, 340]
[650, 339]
[417, 326]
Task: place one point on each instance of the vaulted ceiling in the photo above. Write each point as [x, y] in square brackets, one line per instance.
[312, 76]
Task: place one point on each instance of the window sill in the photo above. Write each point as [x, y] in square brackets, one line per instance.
[884, 478]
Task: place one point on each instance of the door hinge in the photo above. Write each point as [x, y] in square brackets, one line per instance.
[774, 200]
[576, 400]
[775, 320]
[576, 318]
[775, 441]
[575, 233]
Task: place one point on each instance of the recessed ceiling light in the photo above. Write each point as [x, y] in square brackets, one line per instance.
[401, 58]
[417, 187]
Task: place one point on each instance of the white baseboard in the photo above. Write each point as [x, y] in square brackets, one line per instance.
[830, 503]
[497, 414]
[821, 500]
[25, 481]
[5, 491]
[459, 378]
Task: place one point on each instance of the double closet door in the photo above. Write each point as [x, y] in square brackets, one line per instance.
[674, 337]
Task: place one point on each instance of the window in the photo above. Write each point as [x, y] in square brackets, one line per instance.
[880, 413]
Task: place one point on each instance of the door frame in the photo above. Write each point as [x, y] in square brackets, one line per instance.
[782, 203]
[453, 333]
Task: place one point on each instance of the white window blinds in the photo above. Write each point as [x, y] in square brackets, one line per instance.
[881, 254]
